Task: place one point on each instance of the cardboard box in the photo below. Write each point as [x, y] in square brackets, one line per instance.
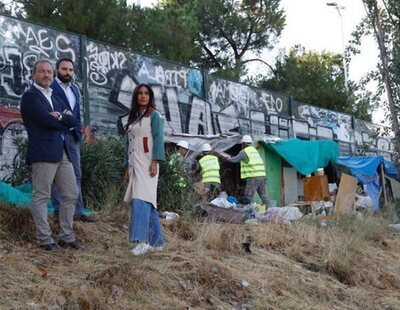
[316, 188]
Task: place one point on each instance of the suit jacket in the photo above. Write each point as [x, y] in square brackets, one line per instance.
[60, 94]
[45, 132]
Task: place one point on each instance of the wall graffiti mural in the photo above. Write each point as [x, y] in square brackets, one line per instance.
[235, 104]
[322, 120]
[372, 139]
[21, 44]
[190, 100]
[114, 73]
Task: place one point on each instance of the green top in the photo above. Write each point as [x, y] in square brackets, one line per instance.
[157, 131]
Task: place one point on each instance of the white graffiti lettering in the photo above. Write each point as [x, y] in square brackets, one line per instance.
[12, 78]
[102, 62]
[165, 77]
[37, 40]
[227, 93]
[63, 45]
[270, 103]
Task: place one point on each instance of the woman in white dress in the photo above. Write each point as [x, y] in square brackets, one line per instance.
[145, 130]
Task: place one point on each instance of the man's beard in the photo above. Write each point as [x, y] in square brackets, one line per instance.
[64, 78]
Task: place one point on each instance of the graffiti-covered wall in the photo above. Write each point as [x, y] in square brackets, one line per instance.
[191, 100]
[113, 74]
[21, 44]
[241, 108]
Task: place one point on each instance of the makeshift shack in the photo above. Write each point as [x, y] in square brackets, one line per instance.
[287, 162]
[370, 172]
[298, 159]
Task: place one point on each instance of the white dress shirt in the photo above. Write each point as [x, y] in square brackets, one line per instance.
[47, 93]
[68, 93]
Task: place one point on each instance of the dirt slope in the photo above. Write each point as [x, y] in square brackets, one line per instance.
[352, 264]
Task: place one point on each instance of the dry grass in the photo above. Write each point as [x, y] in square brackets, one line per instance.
[351, 264]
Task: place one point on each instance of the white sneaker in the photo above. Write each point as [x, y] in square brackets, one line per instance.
[141, 249]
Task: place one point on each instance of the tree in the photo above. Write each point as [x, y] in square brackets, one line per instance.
[110, 21]
[171, 30]
[217, 35]
[383, 22]
[317, 79]
[230, 30]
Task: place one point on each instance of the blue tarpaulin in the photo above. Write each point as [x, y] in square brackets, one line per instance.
[364, 168]
[391, 171]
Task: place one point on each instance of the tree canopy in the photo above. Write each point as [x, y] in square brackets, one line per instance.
[229, 31]
[318, 79]
[218, 35]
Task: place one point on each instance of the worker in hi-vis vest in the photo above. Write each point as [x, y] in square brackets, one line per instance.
[179, 165]
[208, 166]
[252, 170]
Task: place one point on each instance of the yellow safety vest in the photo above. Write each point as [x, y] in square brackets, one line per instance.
[255, 167]
[210, 169]
[177, 168]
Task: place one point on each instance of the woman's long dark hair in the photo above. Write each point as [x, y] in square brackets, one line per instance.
[134, 114]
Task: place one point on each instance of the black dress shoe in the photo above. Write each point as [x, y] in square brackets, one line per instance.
[56, 217]
[76, 245]
[49, 247]
[84, 218]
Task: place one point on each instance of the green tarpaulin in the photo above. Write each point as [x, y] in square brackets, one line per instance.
[306, 156]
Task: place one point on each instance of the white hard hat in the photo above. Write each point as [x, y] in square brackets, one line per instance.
[183, 144]
[247, 139]
[206, 147]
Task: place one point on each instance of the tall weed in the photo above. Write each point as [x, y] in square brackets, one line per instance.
[172, 196]
[20, 173]
[103, 167]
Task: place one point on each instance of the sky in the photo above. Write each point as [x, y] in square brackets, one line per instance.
[317, 26]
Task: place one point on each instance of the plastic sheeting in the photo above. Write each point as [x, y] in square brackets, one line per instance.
[21, 196]
[364, 168]
[18, 196]
[390, 170]
[306, 156]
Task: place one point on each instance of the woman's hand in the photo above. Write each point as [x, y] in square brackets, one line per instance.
[153, 168]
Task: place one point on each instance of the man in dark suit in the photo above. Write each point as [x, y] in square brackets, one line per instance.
[46, 122]
[68, 93]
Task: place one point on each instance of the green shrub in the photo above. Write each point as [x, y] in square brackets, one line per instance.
[171, 195]
[102, 163]
[20, 173]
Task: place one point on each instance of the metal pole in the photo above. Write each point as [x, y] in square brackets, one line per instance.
[339, 8]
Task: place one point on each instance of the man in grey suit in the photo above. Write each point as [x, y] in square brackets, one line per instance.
[46, 121]
[68, 93]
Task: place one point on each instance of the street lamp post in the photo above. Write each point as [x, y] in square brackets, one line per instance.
[339, 9]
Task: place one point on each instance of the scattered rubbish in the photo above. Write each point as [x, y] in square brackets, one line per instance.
[43, 272]
[170, 215]
[245, 283]
[247, 243]
[395, 226]
[252, 221]
[223, 214]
